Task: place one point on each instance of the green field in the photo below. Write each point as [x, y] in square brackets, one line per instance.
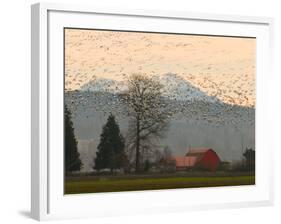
[118, 183]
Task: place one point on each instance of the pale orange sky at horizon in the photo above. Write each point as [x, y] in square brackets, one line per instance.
[204, 61]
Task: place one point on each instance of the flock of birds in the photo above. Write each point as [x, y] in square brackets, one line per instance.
[224, 99]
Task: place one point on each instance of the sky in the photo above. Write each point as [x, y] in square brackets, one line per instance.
[224, 67]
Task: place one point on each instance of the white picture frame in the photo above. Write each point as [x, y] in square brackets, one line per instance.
[48, 201]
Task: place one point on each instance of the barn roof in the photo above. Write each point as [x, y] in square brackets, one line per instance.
[197, 151]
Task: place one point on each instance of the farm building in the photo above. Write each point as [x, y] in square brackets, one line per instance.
[203, 158]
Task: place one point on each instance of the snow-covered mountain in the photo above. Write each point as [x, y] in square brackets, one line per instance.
[174, 87]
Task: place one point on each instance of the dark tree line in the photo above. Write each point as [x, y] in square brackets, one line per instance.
[72, 160]
[111, 153]
[249, 159]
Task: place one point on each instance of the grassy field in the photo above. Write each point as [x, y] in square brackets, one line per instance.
[133, 183]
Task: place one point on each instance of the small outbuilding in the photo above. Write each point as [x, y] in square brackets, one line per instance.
[198, 158]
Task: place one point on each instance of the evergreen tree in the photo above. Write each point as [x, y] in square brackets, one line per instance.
[110, 152]
[72, 160]
[249, 156]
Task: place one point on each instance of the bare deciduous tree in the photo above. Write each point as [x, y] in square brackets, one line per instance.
[148, 114]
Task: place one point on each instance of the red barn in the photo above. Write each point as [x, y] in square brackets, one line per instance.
[203, 158]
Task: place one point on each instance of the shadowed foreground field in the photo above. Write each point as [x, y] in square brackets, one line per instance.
[107, 184]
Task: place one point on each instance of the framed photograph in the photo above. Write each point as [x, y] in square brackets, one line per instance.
[138, 111]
